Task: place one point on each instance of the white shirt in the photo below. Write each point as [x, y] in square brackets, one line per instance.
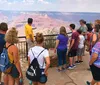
[41, 59]
[81, 42]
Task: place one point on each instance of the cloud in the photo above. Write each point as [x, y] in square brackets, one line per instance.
[28, 1]
[79, 5]
[43, 1]
[51, 5]
[3, 1]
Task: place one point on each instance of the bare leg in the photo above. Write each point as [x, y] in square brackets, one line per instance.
[93, 82]
[78, 58]
[35, 83]
[5, 78]
[17, 81]
[81, 58]
[11, 80]
[71, 61]
[74, 59]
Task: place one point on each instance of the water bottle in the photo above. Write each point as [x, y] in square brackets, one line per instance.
[21, 81]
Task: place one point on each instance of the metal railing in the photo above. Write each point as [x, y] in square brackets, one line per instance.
[48, 43]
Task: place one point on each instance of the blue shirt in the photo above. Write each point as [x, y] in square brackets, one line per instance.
[63, 41]
[2, 42]
[96, 49]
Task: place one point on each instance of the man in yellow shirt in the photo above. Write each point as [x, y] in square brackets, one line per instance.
[29, 33]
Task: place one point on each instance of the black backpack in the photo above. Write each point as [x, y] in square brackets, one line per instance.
[33, 73]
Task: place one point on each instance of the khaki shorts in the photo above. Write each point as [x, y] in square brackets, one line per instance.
[30, 43]
[80, 51]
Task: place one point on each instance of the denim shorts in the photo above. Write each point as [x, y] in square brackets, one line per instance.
[43, 77]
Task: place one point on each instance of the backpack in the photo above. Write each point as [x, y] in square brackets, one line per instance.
[5, 64]
[33, 73]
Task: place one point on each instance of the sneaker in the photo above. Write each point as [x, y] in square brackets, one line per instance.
[77, 62]
[88, 83]
[74, 66]
[70, 67]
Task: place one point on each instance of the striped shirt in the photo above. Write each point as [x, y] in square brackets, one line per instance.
[96, 49]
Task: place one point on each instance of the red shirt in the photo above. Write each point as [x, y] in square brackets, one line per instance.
[89, 35]
[75, 36]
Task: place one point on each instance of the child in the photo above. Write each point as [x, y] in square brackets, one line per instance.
[80, 47]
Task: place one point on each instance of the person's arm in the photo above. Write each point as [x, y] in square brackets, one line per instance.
[94, 58]
[72, 41]
[71, 44]
[30, 31]
[47, 59]
[57, 43]
[16, 60]
[28, 61]
[94, 39]
[29, 56]
[79, 40]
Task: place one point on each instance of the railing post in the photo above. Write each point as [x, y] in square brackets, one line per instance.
[27, 50]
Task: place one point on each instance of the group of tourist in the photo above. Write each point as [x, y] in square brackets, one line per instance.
[76, 47]
[9, 40]
[88, 35]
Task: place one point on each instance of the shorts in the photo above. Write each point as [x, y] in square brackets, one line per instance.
[80, 51]
[95, 72]
[30, 43]
[43, 77]
[72, 53]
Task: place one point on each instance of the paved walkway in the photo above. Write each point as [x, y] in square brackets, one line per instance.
[78, 76]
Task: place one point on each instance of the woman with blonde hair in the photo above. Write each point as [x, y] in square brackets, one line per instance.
[42, 56]
[16, 72]
[61, 46]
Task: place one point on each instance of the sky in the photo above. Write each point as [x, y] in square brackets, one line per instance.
[51, 5]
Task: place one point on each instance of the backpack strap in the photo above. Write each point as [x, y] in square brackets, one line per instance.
[38, 56]
[39, 53]
[9, 46]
